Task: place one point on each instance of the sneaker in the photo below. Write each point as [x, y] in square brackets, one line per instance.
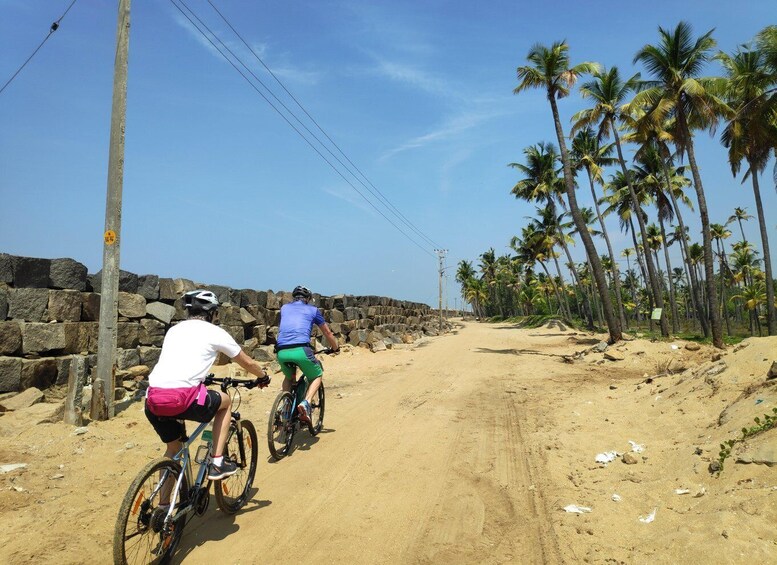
[304, 411]
[216, 473]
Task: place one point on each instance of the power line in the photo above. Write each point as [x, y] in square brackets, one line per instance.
[54, 27]
[379, 194]
[221, 52]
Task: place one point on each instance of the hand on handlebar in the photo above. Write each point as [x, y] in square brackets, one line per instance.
[263, 381]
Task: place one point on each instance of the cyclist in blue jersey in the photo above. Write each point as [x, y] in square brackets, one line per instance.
[293, 345]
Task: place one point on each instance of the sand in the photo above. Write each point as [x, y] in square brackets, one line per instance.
[463, 448]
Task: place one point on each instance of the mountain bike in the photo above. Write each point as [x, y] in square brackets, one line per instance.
[284, 419]
[149, 532]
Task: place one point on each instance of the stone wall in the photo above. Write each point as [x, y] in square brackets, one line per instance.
[50, 308]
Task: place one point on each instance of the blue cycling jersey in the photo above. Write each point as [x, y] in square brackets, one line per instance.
[297, 319]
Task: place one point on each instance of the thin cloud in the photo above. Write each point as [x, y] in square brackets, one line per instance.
[347, 194]
[412, 76]
[246, 55]
[449, 130]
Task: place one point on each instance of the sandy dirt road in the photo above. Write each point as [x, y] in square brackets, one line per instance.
[421, 460]
[464, 448]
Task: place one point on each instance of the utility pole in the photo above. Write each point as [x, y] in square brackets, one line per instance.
[440, 256]
[103, 382]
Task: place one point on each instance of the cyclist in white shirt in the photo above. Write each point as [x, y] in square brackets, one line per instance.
[176, 391]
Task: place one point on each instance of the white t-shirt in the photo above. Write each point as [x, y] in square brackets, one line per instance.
[188, 352]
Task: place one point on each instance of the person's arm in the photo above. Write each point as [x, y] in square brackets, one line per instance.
[249, 364]
[330, 337]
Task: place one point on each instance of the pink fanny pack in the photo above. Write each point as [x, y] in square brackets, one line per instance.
[174, 401]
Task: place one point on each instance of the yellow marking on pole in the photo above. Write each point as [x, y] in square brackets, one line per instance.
[110, 237]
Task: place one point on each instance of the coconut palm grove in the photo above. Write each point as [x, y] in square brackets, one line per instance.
[630, 153]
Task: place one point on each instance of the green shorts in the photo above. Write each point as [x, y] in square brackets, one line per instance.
[303, 358]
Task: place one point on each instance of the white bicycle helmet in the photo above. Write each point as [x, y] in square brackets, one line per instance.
[200, 300]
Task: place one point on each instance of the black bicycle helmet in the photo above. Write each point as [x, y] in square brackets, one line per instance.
[200, 300]
[302, 292]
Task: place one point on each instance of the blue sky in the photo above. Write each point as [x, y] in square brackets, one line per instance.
[219, 189]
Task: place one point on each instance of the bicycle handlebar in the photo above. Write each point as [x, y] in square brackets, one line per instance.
[227, 382]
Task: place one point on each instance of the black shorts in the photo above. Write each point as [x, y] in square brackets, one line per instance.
[171, 428]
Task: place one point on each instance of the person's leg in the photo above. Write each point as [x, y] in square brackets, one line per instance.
[221, 425]
[313, 389]
[289, 370]
[173, 447]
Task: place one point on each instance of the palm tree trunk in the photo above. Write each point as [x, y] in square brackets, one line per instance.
[658, 296]
[695, 295]
[568, 312]
[722, 274]
[555, 289]
[597, 272]
[672, 295]
[771, 314]
[640, 261]
[615, 272]
[586, 303]
[633, 292]
[709, 268]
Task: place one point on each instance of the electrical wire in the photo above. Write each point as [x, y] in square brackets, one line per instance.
[174, 2]
[54, 27]
[379, 194]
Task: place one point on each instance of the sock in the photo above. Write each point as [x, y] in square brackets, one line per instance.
[217, 461]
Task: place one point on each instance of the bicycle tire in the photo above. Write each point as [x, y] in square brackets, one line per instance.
[317, 412]
[282, 425]
[242, 447]
[141, 544]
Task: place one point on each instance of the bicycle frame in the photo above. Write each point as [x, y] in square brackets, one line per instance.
[184, 459]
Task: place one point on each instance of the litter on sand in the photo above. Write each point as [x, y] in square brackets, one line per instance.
[606, 457]
[576, 509]
[616, 497]
[11, 467]
[649, 518]
[681, 491]
[635, 447]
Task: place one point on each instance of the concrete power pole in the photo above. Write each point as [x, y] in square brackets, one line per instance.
[440, 256]
[103, 382]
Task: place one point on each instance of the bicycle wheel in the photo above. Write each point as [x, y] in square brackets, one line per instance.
[140, 535]
[242, 447]
[317, 412]
[280, 428]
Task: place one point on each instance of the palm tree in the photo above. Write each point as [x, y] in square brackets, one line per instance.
[658, 135]
[766, 43]
[621, 203]
[665, 188]
[464, 274]
[550, 70]
[488, 268]
[589, 154]
[719, 233]
[543, 184]
[750, 135]
[547, 225]
[752, 296]
[609, 92]
[476, 294]
[676, 88]
[740, 215]
[536, 246]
